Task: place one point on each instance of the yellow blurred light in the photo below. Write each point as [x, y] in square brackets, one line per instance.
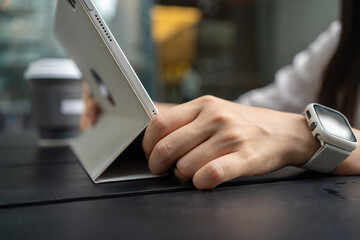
[168, 22]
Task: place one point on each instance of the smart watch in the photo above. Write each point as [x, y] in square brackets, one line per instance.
[336, 137]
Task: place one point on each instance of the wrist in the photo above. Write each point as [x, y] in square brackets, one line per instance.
[351, 166]
[305, 144]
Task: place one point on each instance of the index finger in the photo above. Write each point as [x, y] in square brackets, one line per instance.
[167, 122]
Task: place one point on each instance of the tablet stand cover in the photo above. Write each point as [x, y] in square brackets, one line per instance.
[124, 116]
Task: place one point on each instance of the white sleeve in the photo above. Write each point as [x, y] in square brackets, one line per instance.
[297, 85]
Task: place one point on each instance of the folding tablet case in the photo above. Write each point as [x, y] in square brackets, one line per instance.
[128, 112]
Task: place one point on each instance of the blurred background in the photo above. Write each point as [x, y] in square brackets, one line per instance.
[181, 49]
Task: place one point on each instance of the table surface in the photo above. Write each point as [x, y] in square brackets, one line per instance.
[46, 194]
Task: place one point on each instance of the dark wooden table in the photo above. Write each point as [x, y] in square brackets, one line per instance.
[46, 194]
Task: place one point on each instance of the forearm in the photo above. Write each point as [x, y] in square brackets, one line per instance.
[351, 166]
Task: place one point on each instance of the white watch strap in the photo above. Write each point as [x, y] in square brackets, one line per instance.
[327, 158]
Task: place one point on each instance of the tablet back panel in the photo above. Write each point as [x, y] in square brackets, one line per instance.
[103, 64]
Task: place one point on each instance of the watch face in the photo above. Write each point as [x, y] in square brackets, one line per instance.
[334, 123]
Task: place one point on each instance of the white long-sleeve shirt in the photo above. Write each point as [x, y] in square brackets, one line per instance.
[298, 84]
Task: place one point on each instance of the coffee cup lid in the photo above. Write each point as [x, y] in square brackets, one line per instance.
[51, 68]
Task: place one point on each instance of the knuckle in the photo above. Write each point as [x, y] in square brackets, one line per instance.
[146, 146]
[158, 162]
[232, 138]
[162, 150]
[185, 169]
[154, 130]
[159, 122]
[208, 99]
[249, 153]
[220, 118]
[215, 172]
[261, 131]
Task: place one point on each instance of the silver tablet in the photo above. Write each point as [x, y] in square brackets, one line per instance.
[126, 105]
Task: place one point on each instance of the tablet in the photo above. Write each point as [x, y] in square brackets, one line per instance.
[127, 108]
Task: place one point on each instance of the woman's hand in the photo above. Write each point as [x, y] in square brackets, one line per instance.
[92, 110]
[212, 141]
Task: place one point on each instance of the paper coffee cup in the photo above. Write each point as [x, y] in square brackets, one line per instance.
[55, 94]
